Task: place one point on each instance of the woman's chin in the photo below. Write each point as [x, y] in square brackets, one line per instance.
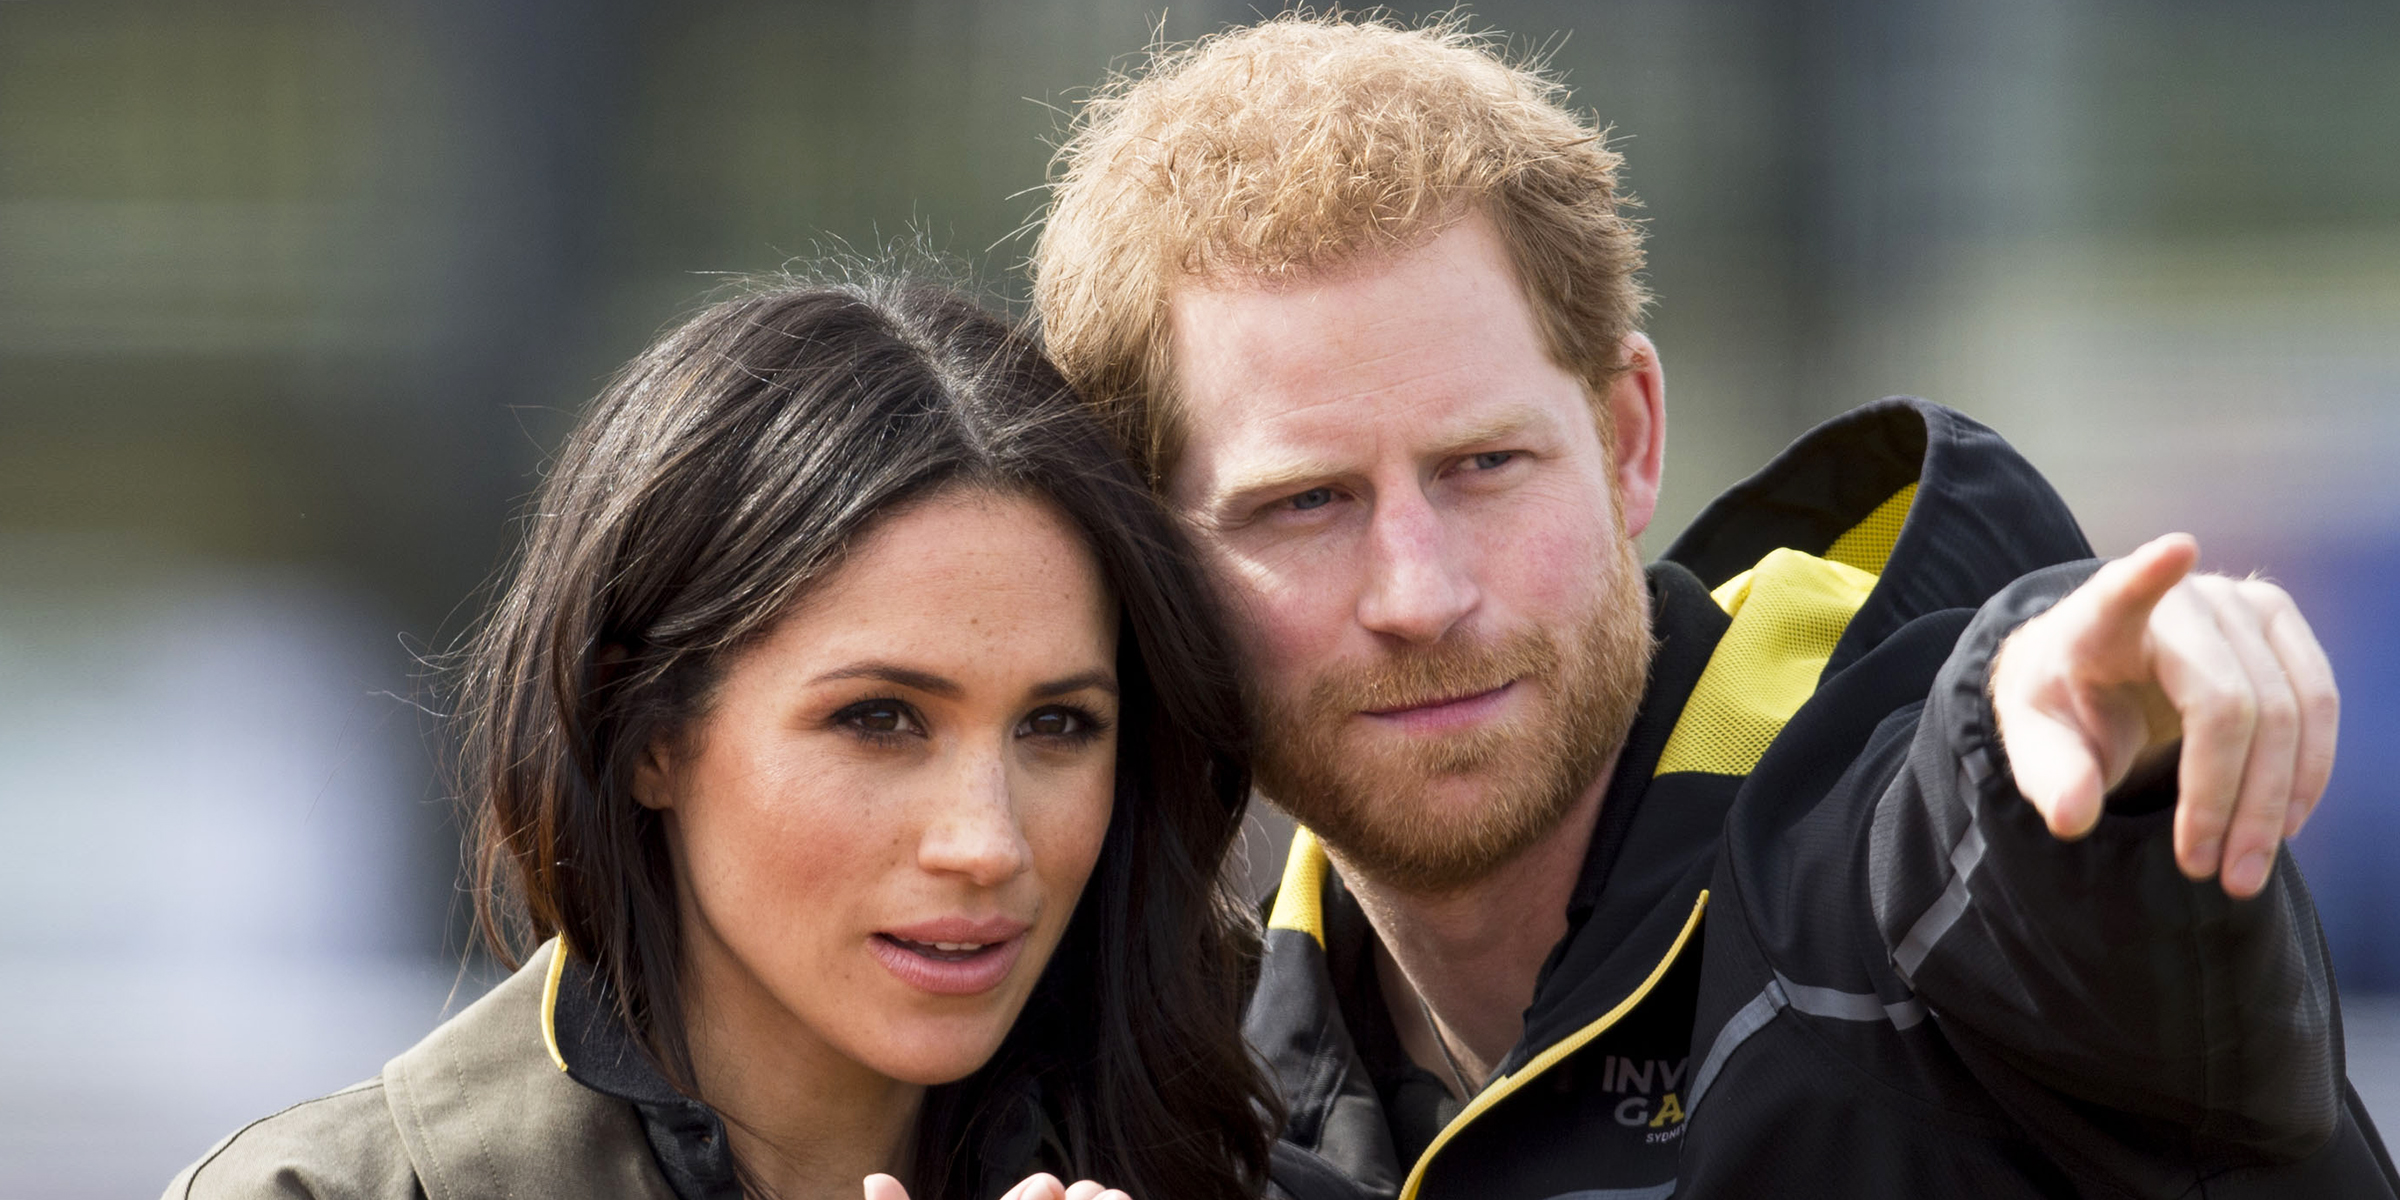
[931, 1057]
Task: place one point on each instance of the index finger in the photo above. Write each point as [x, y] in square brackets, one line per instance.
[2119, 598]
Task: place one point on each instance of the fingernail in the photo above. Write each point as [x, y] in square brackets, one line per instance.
[2204, 857]
[2248, 874]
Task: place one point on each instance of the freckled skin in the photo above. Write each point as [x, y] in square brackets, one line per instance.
[801, 827]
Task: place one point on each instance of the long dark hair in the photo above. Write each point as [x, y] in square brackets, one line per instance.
[716, 479]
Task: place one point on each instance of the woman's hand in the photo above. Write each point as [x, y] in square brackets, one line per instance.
[1035, 1187]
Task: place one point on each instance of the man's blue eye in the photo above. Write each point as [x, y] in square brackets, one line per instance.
[1313, 498]
[1493, 458]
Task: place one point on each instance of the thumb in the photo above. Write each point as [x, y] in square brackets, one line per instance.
[2120, 596]
[884, 1187]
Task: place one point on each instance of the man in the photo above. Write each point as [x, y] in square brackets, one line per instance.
[1874, 842]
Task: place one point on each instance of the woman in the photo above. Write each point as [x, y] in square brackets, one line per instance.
[854, 743]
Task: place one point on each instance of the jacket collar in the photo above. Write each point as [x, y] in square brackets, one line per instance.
[1317, 932]
[1942, 510]
[485, 1112]
[588, 1041]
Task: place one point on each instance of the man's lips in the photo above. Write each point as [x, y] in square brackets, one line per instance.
[1445, 713]
[951, 956]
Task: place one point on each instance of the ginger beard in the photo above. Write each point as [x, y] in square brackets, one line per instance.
[1374, 804]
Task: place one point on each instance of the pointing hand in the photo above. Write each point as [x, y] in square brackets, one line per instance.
[2146, 655]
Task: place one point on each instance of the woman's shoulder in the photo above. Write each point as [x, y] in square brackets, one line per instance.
[482, 1107]
[342, 1145]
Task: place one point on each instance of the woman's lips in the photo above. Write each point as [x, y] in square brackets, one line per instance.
[951, 956]
[1447, 714]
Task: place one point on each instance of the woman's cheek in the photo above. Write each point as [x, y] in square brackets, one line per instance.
[1072, 824]
[788, 845]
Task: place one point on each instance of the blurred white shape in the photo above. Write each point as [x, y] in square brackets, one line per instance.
[121, 1070]
[200, 760]
[2243, 388]
[204, 858]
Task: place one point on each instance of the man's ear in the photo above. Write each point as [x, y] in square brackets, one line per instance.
[1637, 408]
[654, 777]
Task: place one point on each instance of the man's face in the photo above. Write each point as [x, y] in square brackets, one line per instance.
[1411, 510]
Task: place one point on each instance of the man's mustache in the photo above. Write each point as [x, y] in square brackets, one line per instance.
[1451, 669]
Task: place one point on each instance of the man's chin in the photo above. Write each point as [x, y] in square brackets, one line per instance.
[1434, 833]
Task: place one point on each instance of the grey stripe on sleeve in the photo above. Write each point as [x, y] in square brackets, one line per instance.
[1781, 993]
[1849, 1006]
[1656, 1191]
[1964, 858]
[1752, 1018]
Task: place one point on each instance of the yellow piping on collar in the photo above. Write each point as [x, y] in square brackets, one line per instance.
[1868, 544]
[558, 970]
[1500, 1089]
[1300, 900]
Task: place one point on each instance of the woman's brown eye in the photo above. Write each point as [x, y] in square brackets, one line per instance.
[877, 716]
[1053, 724]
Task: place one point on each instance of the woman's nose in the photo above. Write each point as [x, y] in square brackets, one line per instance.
[972, 830]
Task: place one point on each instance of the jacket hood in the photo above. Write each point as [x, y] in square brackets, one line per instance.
[1946, 511]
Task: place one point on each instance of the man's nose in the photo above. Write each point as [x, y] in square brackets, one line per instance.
[972, 830]
[1418, 585]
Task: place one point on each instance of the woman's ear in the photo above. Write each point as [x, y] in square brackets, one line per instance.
[654, 777]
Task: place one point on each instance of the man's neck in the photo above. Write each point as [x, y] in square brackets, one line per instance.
[1469, 958]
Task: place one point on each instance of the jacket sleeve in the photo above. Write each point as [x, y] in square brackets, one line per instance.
[2093, 968]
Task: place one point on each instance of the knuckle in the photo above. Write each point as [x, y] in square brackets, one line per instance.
[2231, 712]
[2278, 714]
[2255, 823]
[2265, 595]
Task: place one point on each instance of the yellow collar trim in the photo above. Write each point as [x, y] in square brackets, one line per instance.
[1300, 901]
[1500, 1089]
[550, 981]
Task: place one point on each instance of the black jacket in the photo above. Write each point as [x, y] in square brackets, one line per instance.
[1819, 946]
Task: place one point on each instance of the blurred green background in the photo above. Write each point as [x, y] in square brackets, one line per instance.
[294, 299]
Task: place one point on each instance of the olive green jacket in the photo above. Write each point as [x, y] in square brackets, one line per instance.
[481, 1109]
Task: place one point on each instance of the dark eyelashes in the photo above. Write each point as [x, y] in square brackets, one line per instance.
[857, 717]
[1089, 724]
[862, 718]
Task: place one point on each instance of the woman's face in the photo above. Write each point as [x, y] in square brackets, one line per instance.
[882, 823]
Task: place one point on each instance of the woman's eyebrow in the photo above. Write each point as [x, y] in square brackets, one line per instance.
[1099, 680]
[907, 677]
[926, 681]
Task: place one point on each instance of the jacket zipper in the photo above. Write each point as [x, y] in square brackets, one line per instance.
[1501, 1088]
